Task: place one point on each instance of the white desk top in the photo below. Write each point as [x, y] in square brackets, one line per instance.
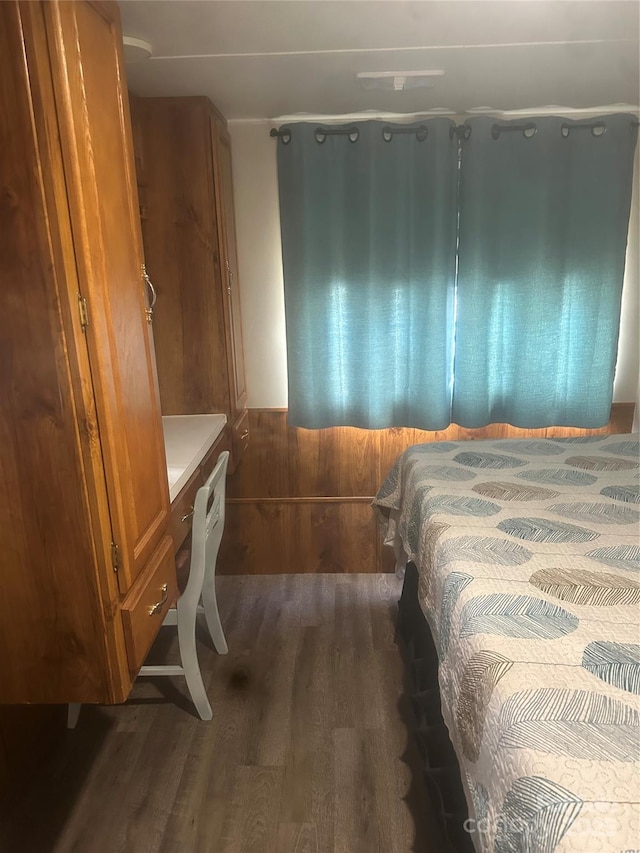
[187, 438]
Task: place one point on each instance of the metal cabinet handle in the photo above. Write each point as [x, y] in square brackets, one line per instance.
[149, 311]
[164, 589]
[186, 517]
[244, 434]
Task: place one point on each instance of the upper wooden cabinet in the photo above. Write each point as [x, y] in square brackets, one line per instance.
[183, 155]
[84, 516]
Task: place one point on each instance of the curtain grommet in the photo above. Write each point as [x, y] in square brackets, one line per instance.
[462, 131]
[598, 129]
[421, 132]
[321, 133]
[283, 135]
[528, 130]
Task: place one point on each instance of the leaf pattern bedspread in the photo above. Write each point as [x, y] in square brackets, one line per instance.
[529, 563]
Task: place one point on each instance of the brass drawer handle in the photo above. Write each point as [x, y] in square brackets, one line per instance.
[149, 310]
[244, 434]
[158, 605]
[186, 517]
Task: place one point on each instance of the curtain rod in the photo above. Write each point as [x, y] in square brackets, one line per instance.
[529, 129]
[388, 132]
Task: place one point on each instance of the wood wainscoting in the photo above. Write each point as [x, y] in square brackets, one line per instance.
[300, 501]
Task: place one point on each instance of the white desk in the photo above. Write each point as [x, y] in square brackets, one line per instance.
[187, 438]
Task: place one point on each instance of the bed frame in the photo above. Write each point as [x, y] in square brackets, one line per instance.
[440, 766]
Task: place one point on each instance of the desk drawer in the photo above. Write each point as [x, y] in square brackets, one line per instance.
[182, 508]
[240, 437]
[146, 605]
[223, 442]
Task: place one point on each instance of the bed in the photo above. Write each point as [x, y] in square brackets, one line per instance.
[527, 561]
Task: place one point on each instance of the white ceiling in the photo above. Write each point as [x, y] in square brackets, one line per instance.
[259, 59]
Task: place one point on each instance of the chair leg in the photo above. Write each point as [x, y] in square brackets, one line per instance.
[189, 657]
[210, 604]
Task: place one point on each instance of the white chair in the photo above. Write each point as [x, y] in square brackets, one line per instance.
[199, 595]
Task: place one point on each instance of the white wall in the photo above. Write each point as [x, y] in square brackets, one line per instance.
[255, 185]
[260, 269]
[627, 382]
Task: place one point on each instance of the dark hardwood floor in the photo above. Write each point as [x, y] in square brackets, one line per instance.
[307, 751]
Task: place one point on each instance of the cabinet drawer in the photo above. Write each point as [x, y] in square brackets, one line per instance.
[240, 437]
[223, 442]
[182, 508]
[146, 605]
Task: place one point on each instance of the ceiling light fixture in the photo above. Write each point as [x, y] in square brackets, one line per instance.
[135, 49]
[399, 81]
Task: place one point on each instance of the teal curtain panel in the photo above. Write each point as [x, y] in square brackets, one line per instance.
[438, 274]
[369, 243]
[544, 215]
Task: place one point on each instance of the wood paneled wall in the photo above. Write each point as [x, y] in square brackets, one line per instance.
[300, 501]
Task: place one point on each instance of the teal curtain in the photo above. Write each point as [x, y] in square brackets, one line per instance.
[369, 243]
[542, 237]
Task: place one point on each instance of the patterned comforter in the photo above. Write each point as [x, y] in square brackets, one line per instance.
[528, 556]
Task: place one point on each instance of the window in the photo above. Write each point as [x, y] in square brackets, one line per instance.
[434, 274]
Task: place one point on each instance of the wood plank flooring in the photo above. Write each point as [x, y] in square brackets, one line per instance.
[307, 751]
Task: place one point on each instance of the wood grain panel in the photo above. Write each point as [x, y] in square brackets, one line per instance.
[86, 421]
[223, 442]
[253, 827]
[144, 609]
[179, 229]
[240, 438]
[297, 838]
[288, 536]
[51, 625]
[284, 461]
[357, 827]
[182, 510]
[188, 222]
[276, 770]
[92, 106]
[622, 417]
[299, 501]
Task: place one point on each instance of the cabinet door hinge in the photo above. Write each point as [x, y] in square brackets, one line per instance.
[115, 556]
[84, 314]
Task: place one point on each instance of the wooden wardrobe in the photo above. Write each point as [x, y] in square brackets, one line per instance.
[183, 161]
[87, 567]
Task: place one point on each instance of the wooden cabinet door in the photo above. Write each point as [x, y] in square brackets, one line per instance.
[180, 233]
[91, 100]
[52, 624]
[228, 253]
